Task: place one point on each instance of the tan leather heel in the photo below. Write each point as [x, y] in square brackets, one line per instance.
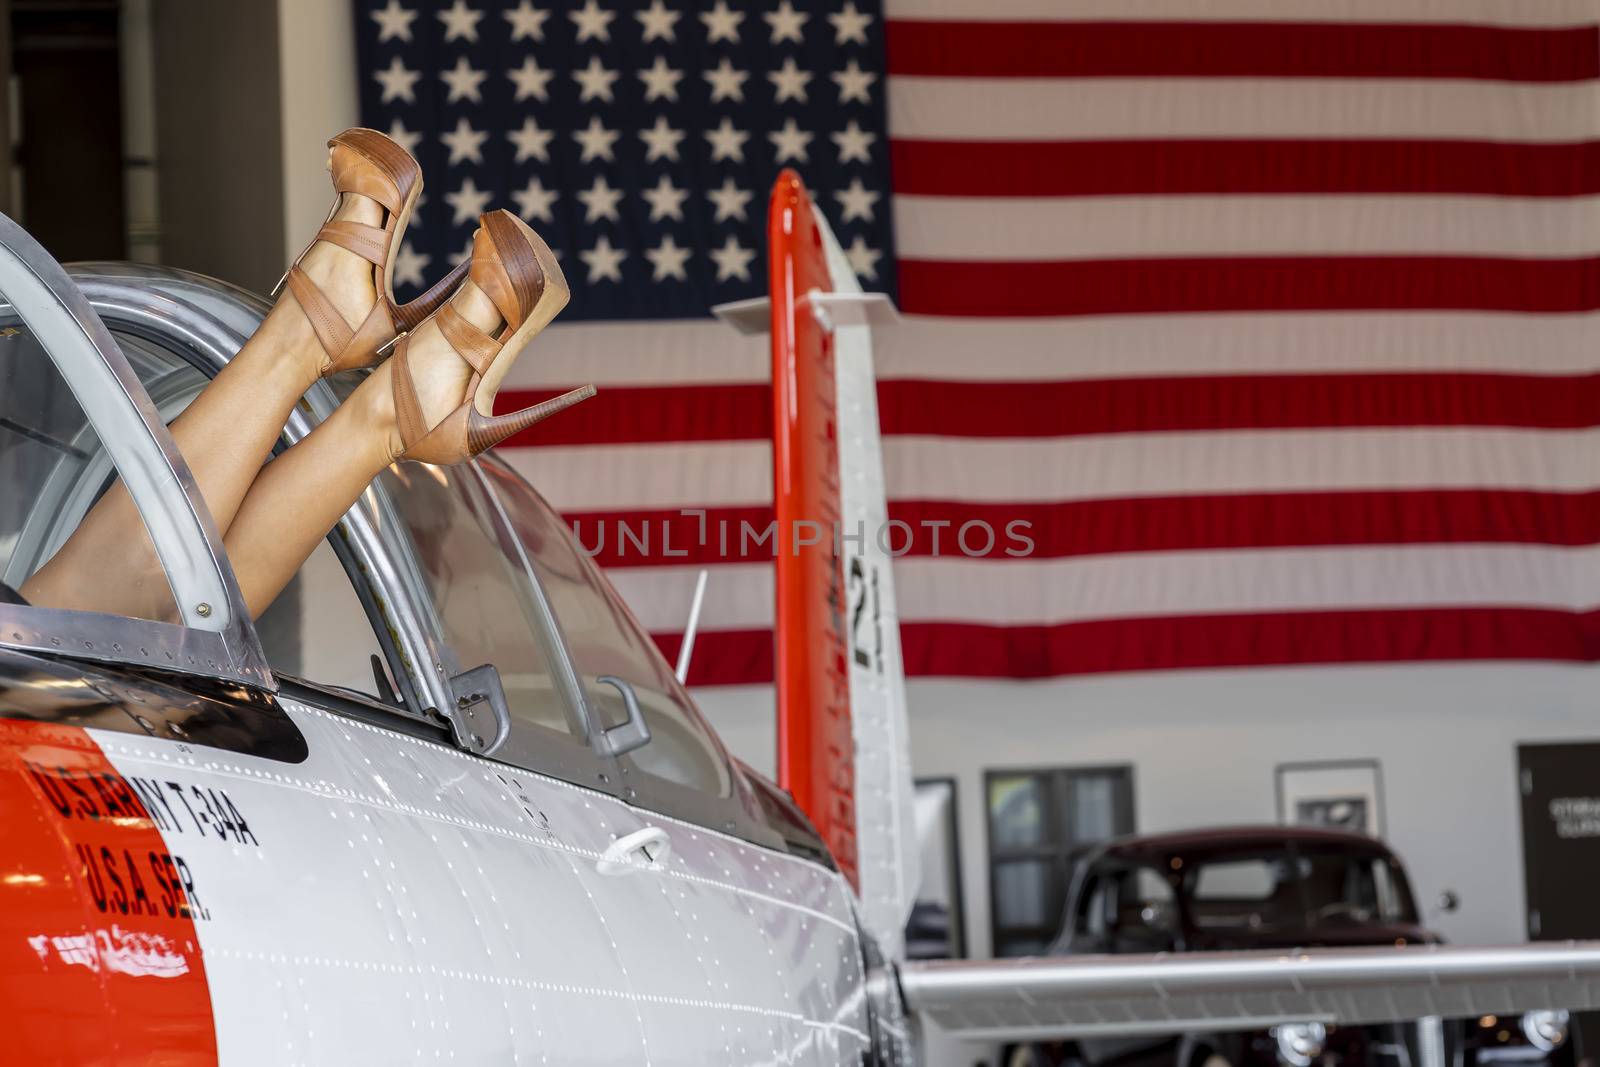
[518, 272]
[367, 163]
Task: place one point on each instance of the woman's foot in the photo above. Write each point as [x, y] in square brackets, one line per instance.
[438, 375]
[444, 375]
[347, 281]
[342, 286]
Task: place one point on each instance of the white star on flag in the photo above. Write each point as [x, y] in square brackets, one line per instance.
[595, 81]
[408, 264]
[660, 80]
[856, 201]
[533, 202]
[530, 141]
[730, 201]
[463, 80]
[666, 200]
[464, 142]
[854, 83]
[733, 260]
[604, 261]
[600, 201]
[863, 260]
[404, 137]
[855, 144]
[657, 21]
[394, 21]
[526, 21]
[721, 23]
[789, 82]
[468, 202]
[726, 82]
[596, 140]
[460, 21]
[727, 142]
[398, 81]
[661, 141]
[850, 25]
[786, 23]
[668, 260]
[790, 142]
[592, 21]
[531, 79]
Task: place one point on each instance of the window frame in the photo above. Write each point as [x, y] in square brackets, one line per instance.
[215, 637]
[1056, 848]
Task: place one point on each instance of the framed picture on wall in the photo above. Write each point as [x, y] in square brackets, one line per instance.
[1342, 795]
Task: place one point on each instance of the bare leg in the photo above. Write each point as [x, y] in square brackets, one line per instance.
[109, 563]
[300, 495]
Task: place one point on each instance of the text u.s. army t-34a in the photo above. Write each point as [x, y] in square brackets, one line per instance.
[445, 801]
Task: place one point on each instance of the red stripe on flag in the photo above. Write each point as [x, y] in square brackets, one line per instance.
[1241, 50]
[1145, 524]
[966, 650]
[1160, 405]
[1288, 283]
[742, 412]
[1098, 168]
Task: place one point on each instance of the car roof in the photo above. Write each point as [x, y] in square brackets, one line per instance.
[1142, 848]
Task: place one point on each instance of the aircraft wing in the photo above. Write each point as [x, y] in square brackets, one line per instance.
[1058, 997]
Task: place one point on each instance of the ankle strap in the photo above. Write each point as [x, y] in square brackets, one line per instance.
[474, 346]
[330, 327]
[371, 243]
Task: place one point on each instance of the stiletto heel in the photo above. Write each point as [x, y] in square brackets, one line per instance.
[367, 163]
[517, 271]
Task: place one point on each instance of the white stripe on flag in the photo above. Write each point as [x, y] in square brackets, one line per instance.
[1483, 12]
[1111, 466]
[1128, 227]
[1140, 585]
[689, 352]
[1051, 109]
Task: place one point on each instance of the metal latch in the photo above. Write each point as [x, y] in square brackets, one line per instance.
[481, 717]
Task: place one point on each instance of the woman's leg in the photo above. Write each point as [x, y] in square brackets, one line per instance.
[109, 563]
[301, 495]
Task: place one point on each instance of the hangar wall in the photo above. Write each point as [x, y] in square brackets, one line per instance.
[1204, 746]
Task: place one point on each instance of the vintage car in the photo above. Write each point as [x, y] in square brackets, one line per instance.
[1270, 887]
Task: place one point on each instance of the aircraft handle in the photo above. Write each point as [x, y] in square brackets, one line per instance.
[640, 850]
[632, 734]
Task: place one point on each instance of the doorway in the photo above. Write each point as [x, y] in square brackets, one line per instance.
[1560, 789]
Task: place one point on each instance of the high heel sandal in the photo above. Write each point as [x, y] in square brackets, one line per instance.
[517, 271]
[369, 164]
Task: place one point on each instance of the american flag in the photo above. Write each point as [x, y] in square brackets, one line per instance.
[1275, 318]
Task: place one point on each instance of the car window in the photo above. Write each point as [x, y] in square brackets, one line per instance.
[605, 639]
[1131, 909]
[1247, 892]
[54, 469]
[482, 597]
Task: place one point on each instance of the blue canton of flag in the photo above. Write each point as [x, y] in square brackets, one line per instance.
[639, 139]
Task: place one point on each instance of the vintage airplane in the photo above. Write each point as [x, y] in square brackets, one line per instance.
[445, 801]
